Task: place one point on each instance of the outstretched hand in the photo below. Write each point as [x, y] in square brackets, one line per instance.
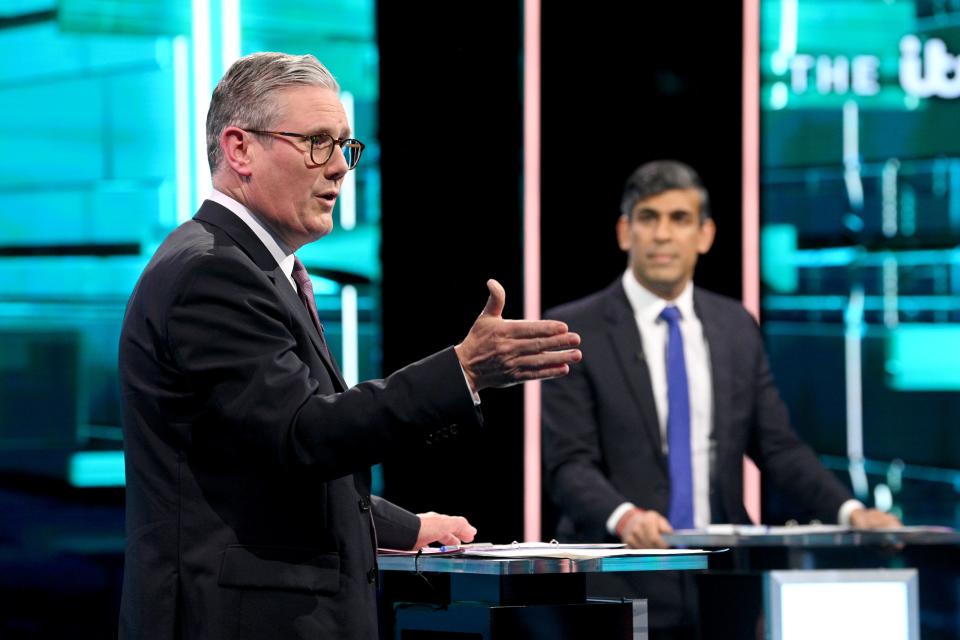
[500, 353]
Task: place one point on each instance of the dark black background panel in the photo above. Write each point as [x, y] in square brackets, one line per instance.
[622, 84]
[451, 131]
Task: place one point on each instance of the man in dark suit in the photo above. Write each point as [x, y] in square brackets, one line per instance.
[249, 512]
[648, 432]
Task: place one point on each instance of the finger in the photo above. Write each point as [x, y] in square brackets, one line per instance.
[449, 539]
[543, 360]
[467, 533]
[526, 375]
[654, 537]
[664, 525]
[498, 298]
[526, 346]
[536, 329]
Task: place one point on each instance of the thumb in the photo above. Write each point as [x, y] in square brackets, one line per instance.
[497, 299]
[665, 526]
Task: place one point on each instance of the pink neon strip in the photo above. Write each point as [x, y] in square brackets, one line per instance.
[531, 260]
[751, 206]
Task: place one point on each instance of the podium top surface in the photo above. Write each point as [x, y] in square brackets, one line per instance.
[811, 536]
[530, 566]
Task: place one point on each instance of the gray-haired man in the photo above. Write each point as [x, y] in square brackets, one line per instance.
[249, 512]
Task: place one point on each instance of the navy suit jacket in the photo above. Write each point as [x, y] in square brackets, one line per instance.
[249, 512]
[601, 436]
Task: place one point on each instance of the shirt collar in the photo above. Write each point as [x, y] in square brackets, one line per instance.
[282, 253]
[648, 305]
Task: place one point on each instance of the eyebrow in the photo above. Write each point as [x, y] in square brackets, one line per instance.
[648, 210]
[329, 132]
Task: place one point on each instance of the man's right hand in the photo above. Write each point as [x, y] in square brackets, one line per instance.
[640, 529]
[500, 353]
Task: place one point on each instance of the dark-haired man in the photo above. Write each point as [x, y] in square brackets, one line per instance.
[647, 434]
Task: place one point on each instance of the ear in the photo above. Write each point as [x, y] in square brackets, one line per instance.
[623, 232]
[236, 147]
[708, 231]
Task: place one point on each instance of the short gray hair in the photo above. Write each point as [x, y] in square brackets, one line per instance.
[653, 178]
[246, 95]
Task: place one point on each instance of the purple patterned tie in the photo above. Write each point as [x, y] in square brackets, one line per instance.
[305, 291]
[678, 425]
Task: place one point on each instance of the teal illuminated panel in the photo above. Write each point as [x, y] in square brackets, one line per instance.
[96, 469]
[778, 247]
[97, 167]
[924, 357]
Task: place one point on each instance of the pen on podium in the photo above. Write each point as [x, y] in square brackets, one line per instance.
[447, 548]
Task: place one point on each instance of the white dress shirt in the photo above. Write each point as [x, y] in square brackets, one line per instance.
[653, 332]
[277, 247]
[647, 307]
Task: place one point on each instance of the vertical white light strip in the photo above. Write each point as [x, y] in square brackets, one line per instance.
[851, 154]
[751, 194]
[181, 127]
[349, 312]
[531, 259]
[229, 32]
[853, 334]
[788, 27]
[350, 322]
[348, 189]
[891, 292]
[200, 38]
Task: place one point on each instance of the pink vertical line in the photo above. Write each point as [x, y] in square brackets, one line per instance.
[751, 206]
[531, 259]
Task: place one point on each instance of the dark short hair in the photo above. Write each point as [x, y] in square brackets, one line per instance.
[655, 177]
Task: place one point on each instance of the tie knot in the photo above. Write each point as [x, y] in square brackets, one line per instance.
[300, 275]
[671, 315]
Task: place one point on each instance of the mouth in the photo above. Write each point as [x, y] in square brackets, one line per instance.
[661, 258]
[330, 197]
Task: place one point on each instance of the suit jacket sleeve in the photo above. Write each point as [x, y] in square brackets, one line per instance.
[229, 336]
[572, 458]
[779, 452]
[397, 528]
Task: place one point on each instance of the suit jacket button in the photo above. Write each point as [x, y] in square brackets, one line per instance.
[364, 504]
[372, 575]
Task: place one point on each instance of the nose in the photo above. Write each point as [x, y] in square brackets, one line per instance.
[663, 230]
[336, 167]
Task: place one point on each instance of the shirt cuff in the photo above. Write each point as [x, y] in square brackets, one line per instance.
[848, 507]
[616, 515]
[473, 394]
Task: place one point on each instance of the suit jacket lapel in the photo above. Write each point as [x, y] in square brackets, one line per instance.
[239, 232]
[626, 343]
[721, 356]
[296, 304]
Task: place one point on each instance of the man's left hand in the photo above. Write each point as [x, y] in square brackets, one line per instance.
[873, 519]
[437, 527]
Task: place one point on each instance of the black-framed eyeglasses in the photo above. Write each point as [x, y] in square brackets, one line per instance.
[321, 146]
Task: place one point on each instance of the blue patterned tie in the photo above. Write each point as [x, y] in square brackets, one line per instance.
[678, 425]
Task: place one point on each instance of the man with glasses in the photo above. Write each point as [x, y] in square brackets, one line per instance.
[249, 512]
